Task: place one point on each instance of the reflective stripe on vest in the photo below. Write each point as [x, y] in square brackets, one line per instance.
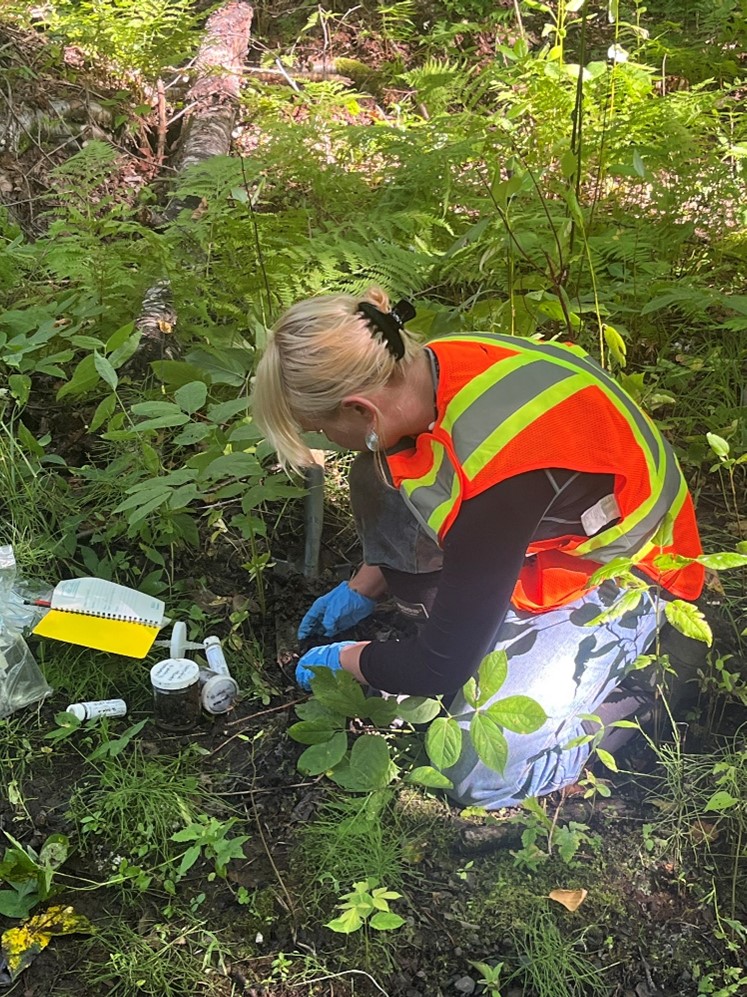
[501, 401]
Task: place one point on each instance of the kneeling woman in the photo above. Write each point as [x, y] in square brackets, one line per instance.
[501, 473]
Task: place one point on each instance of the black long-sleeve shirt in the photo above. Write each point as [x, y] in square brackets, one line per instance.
[482, 556]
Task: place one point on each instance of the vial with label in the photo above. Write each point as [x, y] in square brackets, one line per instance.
[215, 657]
[176, 694]
[98, 708]
[218, 692]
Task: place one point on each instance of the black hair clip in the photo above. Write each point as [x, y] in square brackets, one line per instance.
[389, 325]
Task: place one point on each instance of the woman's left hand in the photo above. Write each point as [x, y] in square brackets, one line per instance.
[327, 656]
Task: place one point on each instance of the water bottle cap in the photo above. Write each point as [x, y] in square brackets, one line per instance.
[174, 674]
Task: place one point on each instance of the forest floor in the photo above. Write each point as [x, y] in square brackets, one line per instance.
[474, 886]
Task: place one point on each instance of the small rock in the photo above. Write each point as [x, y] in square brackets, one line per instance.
[465, 985]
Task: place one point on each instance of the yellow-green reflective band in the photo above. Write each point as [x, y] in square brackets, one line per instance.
[438, 517]
[410, 485]
[482, 383]
[519, 420]
[558, 354]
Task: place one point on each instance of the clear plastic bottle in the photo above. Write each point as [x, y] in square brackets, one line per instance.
[176, 694]
[215, 657]
[98, 708]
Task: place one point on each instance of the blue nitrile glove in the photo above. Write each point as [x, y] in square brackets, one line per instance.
[339, 609]
[327, 656]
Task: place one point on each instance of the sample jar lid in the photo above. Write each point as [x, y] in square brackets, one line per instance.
[211, 641]
[174, 673]
[78, 710]
[219, 694]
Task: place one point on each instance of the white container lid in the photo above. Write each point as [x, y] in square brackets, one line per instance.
[219, 694]
[174, 674]
[78, 710]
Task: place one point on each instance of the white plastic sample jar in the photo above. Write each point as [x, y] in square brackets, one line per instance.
[176, 694]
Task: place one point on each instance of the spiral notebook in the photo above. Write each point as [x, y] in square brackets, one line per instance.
[102, 615]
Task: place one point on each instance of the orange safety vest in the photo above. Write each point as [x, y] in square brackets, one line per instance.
[507, 405]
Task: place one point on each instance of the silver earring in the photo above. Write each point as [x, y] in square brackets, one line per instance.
[372, 440]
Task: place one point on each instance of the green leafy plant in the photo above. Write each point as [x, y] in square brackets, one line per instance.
[368, 764]
[565, 840]
[30, 874]
[209, 837]
[490, 977]
[367, 905]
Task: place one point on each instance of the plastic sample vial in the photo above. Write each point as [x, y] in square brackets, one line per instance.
[176, 694]
[218, 693]
[98, 708]
[215, 656]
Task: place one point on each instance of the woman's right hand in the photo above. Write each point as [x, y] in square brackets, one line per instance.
[338, 610]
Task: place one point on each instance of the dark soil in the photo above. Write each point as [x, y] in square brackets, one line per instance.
[643, 924]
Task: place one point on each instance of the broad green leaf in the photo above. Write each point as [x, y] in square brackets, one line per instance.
[153, 409]
[469, 691]
[224, 411]
[55, 851]
[339, 692]
[627, 602]
[16, 905]
[607, 759]
[718, 444]
[347, 922]
[162, 422]
[191, 397]
[517, 713]
[85, 377]
[311, 731]
[615, 344]
[123, 353]
[723, 561]
[195, 432]
[386, 920]
[237, 465]
[370, 762]
[426, 775]
[689, 620]
[418, 709]
[720, 801]
[322, 757]
[175, 373]
[119, 337]
[380, 711]
[443, 742]
[104, 410]
[489, 741]
[20, 386]
[105, 371]
[491, 675]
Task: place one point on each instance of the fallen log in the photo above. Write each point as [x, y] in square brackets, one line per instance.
[213, 97]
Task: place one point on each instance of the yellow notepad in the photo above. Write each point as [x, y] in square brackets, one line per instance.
[102, 615]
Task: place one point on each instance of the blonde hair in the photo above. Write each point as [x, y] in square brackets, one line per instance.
[319, 352]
